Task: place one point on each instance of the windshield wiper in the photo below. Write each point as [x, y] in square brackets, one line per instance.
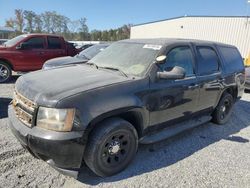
[91, 63]
[115, 69]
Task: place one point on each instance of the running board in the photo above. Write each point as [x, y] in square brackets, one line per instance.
[174, 130]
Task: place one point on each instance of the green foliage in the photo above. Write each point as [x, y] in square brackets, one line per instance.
[26, 21]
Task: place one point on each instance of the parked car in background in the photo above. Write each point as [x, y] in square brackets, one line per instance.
[82, 57]
[247, 83]
[135, 91]
[29, 52]
[3, 41]
[84, 46]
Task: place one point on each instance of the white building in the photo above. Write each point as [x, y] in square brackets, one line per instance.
[233, 30]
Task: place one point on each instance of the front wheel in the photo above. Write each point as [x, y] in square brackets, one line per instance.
[5, 72]
[223, 110]
[111, 147]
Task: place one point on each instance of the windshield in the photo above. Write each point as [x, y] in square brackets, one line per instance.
[90, 52]
[14, 41]
[130, 58]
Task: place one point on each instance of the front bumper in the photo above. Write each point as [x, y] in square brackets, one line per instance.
[62, 150]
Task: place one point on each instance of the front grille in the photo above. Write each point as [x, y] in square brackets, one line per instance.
[24, 109]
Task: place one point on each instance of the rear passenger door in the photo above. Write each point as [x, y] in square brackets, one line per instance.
[55, 47]
[209, 76]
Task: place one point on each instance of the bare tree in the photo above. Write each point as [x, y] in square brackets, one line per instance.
[19, 20]
[84, 30]
[10, 23]
[52, 22]
[29, 16]
[38, 24]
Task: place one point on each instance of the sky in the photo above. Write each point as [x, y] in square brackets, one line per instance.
[107, 14]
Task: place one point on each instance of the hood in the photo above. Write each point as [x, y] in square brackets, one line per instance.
[61, 61]
[47, 87]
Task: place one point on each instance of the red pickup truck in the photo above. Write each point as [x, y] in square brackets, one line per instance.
[29, 52]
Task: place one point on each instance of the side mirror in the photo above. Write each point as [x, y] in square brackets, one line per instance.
[161, 59]
[176, 73]
[22, 46]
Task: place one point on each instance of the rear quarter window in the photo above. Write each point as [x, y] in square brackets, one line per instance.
[233, 61]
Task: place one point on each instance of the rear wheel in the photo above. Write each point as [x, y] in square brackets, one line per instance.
[111, 147]
[5, 72]
[223, 110]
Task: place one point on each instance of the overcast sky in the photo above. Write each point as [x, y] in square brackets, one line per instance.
[106, 14]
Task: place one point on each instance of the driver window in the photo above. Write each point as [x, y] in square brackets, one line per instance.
[182, 57]
[35, 43]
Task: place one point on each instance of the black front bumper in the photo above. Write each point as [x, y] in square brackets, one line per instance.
[62, 150]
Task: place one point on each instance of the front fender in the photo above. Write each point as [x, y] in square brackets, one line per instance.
[108, 101]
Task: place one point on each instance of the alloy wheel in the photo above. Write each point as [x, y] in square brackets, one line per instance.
[4, 73]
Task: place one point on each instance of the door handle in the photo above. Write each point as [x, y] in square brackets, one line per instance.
[41, 53]
[193, 86]
[221, 80]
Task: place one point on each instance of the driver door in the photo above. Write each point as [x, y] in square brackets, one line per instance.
[33, 55]
[175, 99]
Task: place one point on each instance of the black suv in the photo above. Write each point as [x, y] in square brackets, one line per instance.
[135, 91]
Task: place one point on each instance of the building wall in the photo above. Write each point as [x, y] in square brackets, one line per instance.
[4, 35]
[229, 30]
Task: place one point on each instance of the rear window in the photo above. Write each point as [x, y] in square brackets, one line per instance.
[232, 59]
[54, 43]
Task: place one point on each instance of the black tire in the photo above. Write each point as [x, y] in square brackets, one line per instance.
[223, 110]
[112, 145]
[5, 72]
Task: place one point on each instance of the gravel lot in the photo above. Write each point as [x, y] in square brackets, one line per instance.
[208, 156]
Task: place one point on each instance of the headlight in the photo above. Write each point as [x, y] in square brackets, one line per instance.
[55, 119]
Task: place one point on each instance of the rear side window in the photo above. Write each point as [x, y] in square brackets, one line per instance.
[232, 59]
[54, 43]
[35, 43]
[208, 61]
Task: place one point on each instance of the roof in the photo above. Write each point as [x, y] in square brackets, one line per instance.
[42, 34]
[168, 41]
[6, 29]
[186, 16]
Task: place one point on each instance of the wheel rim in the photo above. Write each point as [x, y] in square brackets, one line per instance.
[116, 149]
[225, 109]
[4, 73]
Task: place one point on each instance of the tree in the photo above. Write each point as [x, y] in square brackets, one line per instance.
[30, 17]
[38, 24]
[84, 30]
[95, 35]
[52, 22]
[10, 23]
[19, 20]
[46, 19]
